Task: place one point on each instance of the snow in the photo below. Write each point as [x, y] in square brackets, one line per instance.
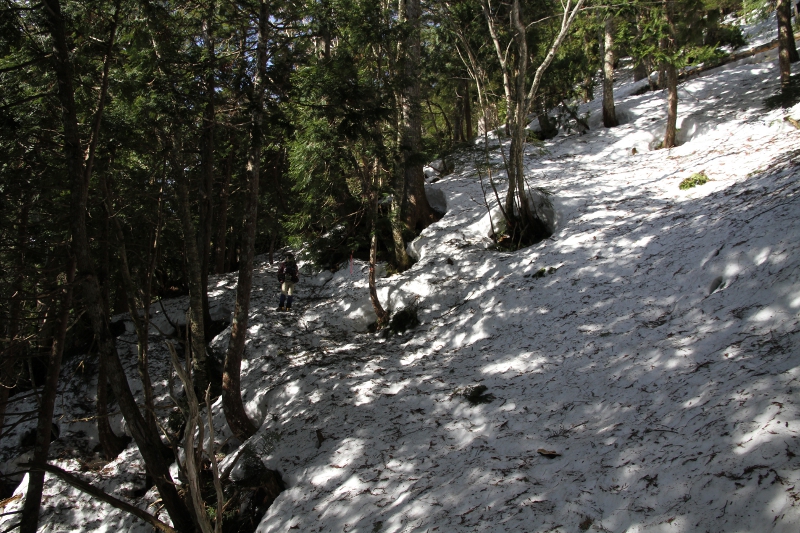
[652, 342]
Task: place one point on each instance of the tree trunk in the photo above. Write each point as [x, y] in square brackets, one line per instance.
[783, 12]
[207, 164]
[517, 121]
[383, 316]
[111, 444]
[458, 122]
[639, 71]
[671, 78]
[548, 129]
[222, 216]
[417, 212]
[194, 275]
[712, 27]
[467, 99]
[149, 444]
[672, 106]
[401, 257]
[44, 429]
[609, 112]
[518, 105]
[241, 426]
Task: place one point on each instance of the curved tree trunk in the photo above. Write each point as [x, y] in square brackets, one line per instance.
[111, 443]
[383, 316]
[369, 182]
[240, 424]
[44, 429]
[609, 112]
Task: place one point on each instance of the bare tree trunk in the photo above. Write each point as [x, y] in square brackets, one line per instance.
[222, 216]
[671, 81]
[193, 453]
[786, 45]
[207, 163]
[639, 71]
[712, 27]
[383, 316]
[149, 444]
[193, 265]
[467, 98]
[44, 429]
[508, 90]
[609, 112]
[113, 445]
[417, 212]
[519, 137]
[672, 106]
[518, 102]
[548, 129]
[458, 119]
[783, 12]
[241, 426]
[400, 255]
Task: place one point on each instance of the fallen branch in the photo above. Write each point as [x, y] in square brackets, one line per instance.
[101, 495]
[733, 57]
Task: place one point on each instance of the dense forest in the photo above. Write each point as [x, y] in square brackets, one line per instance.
[149, 144]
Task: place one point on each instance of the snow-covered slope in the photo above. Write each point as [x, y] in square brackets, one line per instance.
[656, 354]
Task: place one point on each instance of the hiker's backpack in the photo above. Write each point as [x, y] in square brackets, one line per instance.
[291, 271]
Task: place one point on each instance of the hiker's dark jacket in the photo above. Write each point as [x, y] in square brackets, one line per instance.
[288, 269]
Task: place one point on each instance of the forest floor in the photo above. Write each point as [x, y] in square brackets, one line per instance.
[642, 366]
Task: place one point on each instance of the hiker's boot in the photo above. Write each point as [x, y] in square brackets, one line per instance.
[280, 304]
[289, 303]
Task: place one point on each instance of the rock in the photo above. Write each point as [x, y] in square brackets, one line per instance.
[403, 320]
[437, 200]
[118, 327]
[716, 284]
[257, 485]
[414, 248]
[442, 167]
[477, 394]
[28, 438]
[546, 206]
[249, 470]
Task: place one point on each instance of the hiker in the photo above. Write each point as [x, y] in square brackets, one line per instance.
[288, 275]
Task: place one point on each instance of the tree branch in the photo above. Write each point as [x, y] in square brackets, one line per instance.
[101, 495]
